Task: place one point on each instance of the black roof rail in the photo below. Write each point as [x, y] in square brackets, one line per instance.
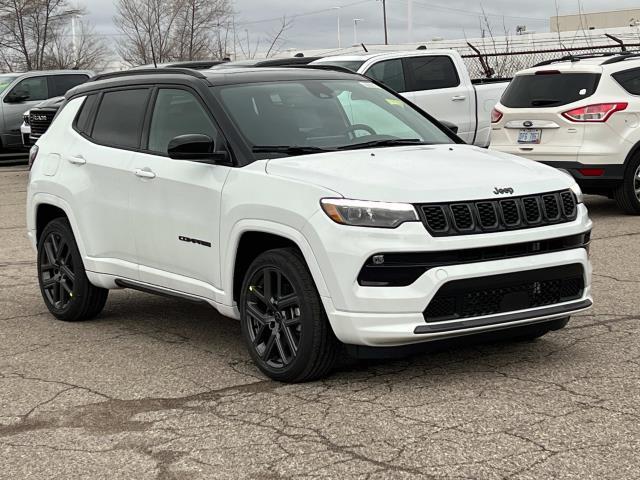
[621, 57]
[321, 66]
[149, 71]
[577, 58]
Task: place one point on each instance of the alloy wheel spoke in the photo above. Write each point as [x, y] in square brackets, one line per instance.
[290, 340]
[256, 314]
[49, 282]
[267, 287]
[49, 252]
[268, 347]
[67, 272]
[283, 356]
[259, 334]
[288, 301]
[63, 282]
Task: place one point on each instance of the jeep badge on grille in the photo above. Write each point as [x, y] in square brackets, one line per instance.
[500, 191]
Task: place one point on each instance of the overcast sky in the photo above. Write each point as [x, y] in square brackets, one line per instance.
[315, 23]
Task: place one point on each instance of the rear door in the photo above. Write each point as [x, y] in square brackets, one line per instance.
[99, 166]
[433, 83]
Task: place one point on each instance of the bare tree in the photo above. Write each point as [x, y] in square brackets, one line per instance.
[26, 30]
[90, 52]
[197, 27]
[147, 26]
[277, 40]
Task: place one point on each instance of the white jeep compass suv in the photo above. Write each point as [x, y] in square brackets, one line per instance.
[315, 206]
[580, 114]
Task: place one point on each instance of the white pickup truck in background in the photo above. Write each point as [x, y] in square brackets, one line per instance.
[436, 81]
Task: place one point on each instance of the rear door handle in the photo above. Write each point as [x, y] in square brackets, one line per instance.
[458, 98]
[144, 173]
[77, 160]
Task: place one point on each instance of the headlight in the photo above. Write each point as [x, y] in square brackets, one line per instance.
[360, 213]
[25, 118]
[575, 188]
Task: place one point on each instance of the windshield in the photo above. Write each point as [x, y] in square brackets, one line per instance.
[5, 81]
[320, 115]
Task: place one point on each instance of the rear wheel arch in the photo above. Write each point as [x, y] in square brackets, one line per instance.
[45, 214]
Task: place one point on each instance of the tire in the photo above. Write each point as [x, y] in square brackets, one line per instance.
[625, 195]
[64, 285]
[533, 332]
[291, 315]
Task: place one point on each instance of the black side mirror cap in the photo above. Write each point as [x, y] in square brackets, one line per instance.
[15, 98]
[197, 148]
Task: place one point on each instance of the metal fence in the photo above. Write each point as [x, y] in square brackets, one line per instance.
[506, 64]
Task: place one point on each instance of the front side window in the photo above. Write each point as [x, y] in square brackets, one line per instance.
[59, 84]
[177, 112]
[323, 115]
[389, 73]
[430, 73]
[120, 118]
[30, 90]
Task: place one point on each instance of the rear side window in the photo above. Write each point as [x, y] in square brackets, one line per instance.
[549, 89]
[629, 80]
[83, 120]
[430, 73]
[120, 117]
[59, 84]
[389, 73]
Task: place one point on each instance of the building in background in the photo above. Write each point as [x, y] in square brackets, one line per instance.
[596, 20]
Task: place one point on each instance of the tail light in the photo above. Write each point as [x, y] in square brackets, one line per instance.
[496, 115]
[595, 113]
[33, 153]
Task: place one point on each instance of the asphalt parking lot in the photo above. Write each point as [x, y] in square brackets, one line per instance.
[159, 388]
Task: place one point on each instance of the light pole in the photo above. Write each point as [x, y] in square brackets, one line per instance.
[384, 18]
[337, 9]
[355, 29]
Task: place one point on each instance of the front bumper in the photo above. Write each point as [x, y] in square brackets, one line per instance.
[394, 316]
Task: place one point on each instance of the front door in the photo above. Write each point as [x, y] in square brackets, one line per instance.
[176, 203]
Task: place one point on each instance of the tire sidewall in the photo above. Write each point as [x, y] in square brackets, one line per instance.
[310, 313]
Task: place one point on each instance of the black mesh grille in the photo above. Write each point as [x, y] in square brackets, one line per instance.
[506, 293]
[551, 208]
[462, 216]
[510, 213]
[487, 215]
[498, 215]
[40, 121]
[435, 218]
[568, 203]
[531, 210]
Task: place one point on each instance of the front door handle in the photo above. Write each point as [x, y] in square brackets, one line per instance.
[144, 173]
[77, 160]
[458, 98]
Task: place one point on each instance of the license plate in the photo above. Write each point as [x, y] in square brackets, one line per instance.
[529, 135]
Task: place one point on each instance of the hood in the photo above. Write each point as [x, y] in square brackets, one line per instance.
[421, 174]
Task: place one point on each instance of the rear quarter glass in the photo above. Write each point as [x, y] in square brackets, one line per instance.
[547, 90]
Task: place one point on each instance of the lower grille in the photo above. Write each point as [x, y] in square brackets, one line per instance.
[506, 293]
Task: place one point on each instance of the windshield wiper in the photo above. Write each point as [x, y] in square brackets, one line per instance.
[389, 142]
[289, 149]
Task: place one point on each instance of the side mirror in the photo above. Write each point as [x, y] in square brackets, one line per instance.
[196, 148]
[17, 96]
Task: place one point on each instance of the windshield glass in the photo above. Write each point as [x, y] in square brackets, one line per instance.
[318, 115]
[5, 81]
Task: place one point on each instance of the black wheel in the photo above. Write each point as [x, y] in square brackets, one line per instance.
[65, 287]
[283, 321]
[627, 195]
[533, 332]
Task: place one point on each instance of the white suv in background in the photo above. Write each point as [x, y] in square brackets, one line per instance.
[579, 114]
[312, 205]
